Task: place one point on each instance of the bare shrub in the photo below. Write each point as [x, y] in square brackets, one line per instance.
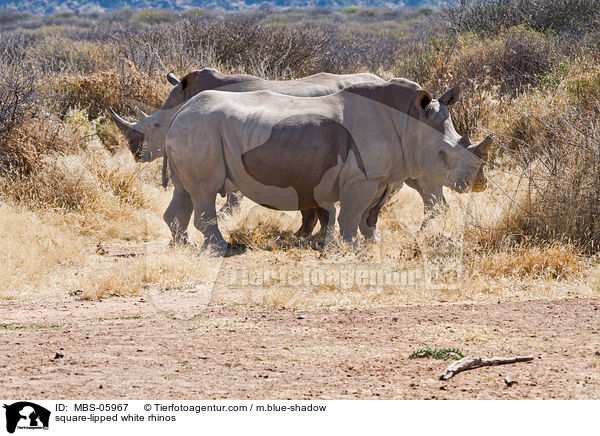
[493, 16]
[58, 165]
[428, 61]
[354, 50]
[562, 199]
[18, 96]
[15, 45]
[516, 59]
[124, 89]
[153, 15]
[240, 44]
[59, 55]
[109, 134]
[23, 149]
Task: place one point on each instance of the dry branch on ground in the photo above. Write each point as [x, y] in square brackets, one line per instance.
[472, 362]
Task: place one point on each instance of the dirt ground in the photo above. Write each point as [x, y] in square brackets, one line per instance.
[124, 348]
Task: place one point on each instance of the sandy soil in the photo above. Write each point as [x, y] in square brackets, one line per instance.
[124, 348]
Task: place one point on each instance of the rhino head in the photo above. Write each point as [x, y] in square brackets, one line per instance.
[132, 131]
[446, 157]
[146, 137]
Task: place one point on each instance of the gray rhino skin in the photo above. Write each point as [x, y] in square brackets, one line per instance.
[298, 153]
[147, 136]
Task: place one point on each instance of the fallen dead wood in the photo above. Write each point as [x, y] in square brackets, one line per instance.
[472, 362]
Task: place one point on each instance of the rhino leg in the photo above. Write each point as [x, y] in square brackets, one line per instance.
[354, 201]
[205, 220]
[178, 214]
[433, 204]
[231, 203]
[326, 219]
[432, 195]
[309, 221]
[368, 227]
[368, 221]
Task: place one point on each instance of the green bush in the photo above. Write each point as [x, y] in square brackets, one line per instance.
[350, 9]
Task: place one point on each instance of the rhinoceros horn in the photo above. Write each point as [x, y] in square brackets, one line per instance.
[172, 79]
[127, 128]
[482, 149]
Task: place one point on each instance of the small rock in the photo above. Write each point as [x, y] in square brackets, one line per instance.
[76, 293]
[100, 387]
[58, 356]
[597, 353]
[509, 382]
[300, 317]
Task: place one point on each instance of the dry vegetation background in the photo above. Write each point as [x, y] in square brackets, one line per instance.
[77, 213]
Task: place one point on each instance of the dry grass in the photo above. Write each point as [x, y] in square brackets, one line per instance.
[454, 247]
[160, 269]
[282, 271]
[34, 248]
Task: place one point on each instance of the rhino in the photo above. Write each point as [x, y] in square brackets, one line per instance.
[147, 136]
[298, 153]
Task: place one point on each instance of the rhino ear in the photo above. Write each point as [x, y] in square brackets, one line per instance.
[184, 83]
[423, 99]
[451, 96]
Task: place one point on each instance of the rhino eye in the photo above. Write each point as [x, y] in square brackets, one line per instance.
[157, 125]
[444, 157]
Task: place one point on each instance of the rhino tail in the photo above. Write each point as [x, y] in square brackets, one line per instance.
[165, 170]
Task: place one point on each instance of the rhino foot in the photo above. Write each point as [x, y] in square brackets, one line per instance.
[181, 242]
[235, 250]
[223, 248]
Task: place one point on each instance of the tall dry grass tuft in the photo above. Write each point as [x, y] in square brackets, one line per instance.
[36, 251]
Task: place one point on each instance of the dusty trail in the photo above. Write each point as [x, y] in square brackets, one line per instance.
[122, 348]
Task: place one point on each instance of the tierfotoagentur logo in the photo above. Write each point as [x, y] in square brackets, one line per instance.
[27, 416]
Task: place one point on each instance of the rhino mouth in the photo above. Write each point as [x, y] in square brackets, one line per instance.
[475, 184]
[480, 182]
[136, 142]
